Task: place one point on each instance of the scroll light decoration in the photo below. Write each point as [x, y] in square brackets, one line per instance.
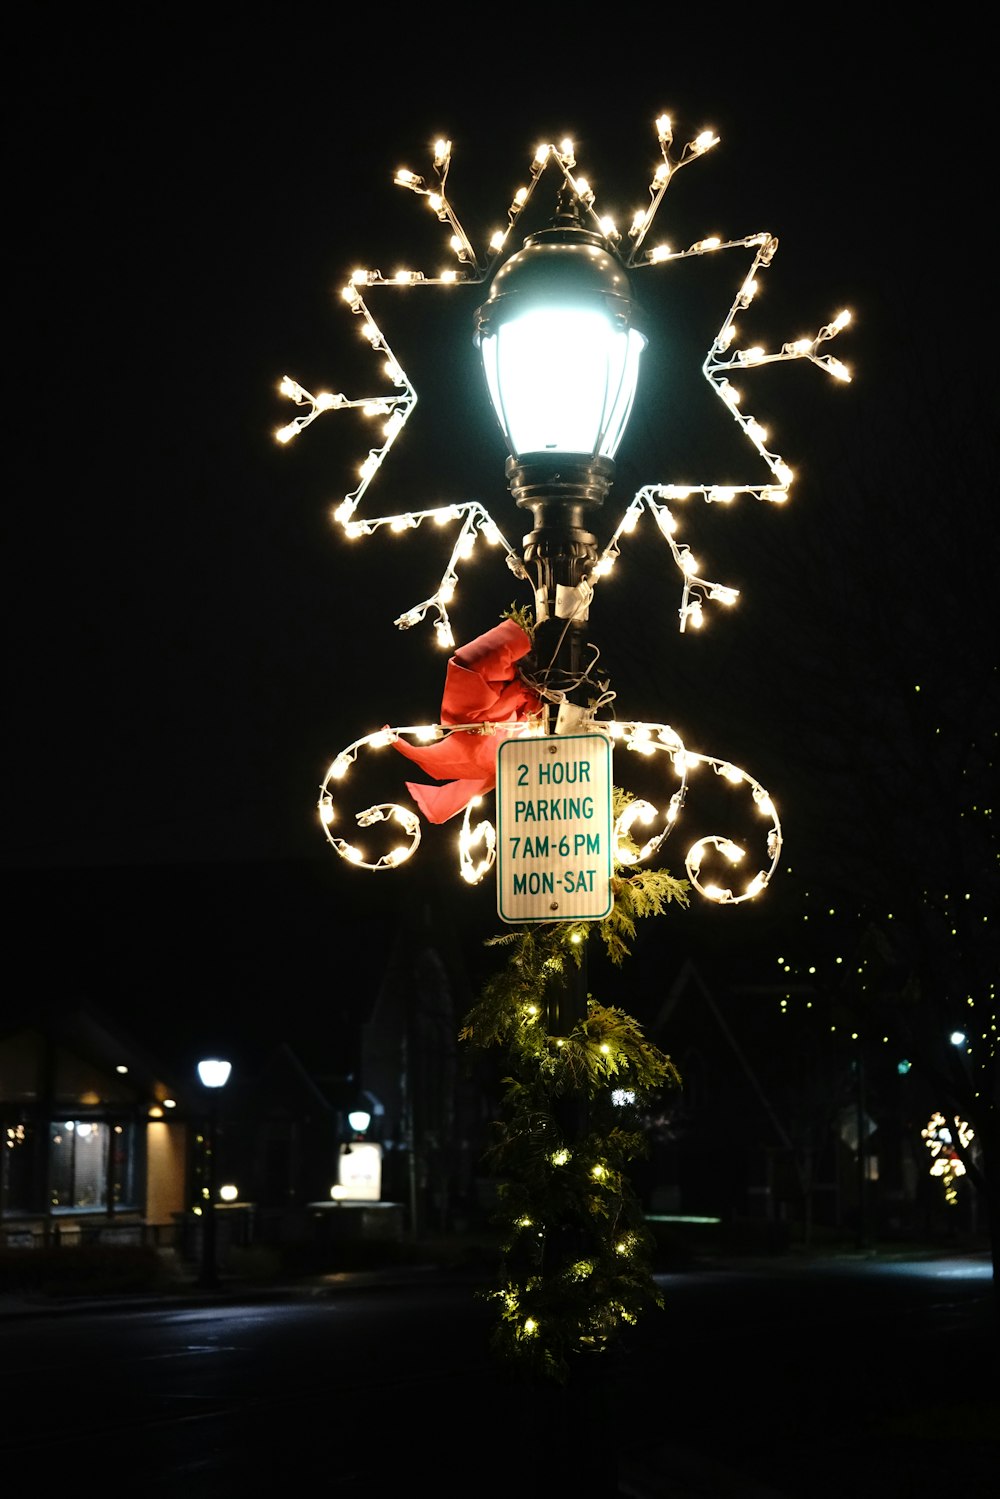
[724, 357]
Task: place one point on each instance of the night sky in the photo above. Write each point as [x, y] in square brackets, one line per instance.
[191, 639]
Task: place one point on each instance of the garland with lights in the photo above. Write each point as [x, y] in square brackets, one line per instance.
[576, 1252]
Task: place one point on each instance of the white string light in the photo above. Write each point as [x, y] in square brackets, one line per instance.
[476, 524]
[724, 358]
[731, 851]
[648, 739]
[695, 589]
[470, 839]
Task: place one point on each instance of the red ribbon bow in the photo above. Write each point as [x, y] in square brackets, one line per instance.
[481, 686]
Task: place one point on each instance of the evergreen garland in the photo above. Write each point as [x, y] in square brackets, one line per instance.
[576, 1252]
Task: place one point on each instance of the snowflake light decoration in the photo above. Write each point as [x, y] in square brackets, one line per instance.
[725, 359]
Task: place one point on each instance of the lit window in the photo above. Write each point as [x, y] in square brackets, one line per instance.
[91, 1162]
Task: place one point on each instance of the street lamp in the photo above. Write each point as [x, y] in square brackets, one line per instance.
[561, 342]
[214, 1075]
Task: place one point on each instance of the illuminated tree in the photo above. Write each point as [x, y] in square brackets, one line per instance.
[943, 1141]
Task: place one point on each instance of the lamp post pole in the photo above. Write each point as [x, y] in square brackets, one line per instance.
[561, 354]
[559, 551]
[214, 1075]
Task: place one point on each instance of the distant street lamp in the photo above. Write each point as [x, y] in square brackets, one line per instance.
[214, 1075]
[359, 1169]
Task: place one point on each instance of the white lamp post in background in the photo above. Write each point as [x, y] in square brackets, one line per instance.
[214, 1075]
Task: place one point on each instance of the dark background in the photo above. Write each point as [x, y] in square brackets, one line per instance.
[191, 640]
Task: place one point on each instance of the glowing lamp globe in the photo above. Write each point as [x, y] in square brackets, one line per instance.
[560, 353]
[214, 1073]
